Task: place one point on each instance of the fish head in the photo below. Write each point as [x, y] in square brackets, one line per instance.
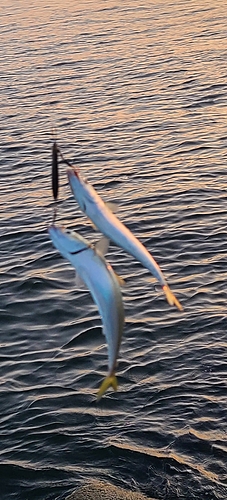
[66, 241]
[83, 192]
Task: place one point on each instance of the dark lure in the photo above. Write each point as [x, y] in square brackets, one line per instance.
[55, 170]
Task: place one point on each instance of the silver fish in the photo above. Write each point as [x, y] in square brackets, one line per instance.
[107, 222]
[103, 284]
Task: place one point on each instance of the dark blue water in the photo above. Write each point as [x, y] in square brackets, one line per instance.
[136, 93]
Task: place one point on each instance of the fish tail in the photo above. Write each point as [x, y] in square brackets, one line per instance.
[171, 299]
[109, 381]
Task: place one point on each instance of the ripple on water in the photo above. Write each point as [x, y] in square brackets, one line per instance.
[140, 107]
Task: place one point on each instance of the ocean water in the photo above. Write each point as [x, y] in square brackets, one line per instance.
[136, 94]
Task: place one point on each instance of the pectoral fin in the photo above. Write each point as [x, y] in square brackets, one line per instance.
[120, 280]
[79, 282]
[171, 299]
[110, 381]
[102, 245]
[93, 225]
[113, 207]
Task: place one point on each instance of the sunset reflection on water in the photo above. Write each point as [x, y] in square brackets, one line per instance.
[135, 95]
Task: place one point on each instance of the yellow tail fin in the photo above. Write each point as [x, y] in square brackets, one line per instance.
[171, 299]
[111, 380]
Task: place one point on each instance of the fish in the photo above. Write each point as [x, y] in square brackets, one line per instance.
[103, 284]
[109, 224]
[55, 181]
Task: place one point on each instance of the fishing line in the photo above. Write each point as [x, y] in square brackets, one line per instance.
[64, 159]
[56, 152]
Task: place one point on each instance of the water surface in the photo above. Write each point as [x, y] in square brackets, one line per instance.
[136, 94]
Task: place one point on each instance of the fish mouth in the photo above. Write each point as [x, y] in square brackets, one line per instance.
[53, 228]
[71, 172]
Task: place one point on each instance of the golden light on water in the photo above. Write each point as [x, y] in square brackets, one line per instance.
[135, 93]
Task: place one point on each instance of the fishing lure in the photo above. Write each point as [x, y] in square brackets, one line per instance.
[55, 180]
